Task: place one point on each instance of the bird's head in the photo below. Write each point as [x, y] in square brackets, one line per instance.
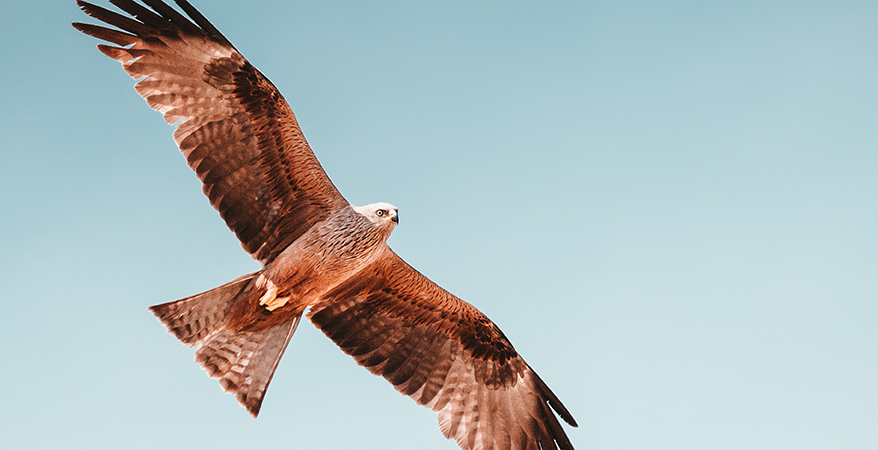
[381, 214]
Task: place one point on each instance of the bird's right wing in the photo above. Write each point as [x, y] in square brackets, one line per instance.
[445, 354]
[233, 126]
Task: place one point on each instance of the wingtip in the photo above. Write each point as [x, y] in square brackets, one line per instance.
[554, 402]
[86, 6]
[563, 412]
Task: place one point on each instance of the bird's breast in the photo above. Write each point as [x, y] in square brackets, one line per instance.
[321, 259]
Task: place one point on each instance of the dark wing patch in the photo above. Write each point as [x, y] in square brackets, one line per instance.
[233, 126]
[445, 354]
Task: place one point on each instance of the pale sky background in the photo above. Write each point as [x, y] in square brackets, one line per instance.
[671, 209]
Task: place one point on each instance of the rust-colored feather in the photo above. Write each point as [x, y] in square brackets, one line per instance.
[445, 354]
[245, 361]
[242, 140]
[234, 127]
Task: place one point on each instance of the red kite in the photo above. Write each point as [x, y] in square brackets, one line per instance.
[318, 253]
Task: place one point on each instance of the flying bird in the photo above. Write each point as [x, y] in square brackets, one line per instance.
[320, 255]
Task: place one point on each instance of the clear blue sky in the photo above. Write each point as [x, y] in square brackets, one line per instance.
[671, 209]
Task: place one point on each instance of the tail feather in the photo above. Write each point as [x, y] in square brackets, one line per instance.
[245, 361]
[193, 319]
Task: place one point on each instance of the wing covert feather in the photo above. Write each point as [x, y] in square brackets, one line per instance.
[445, 354]
[233, 126]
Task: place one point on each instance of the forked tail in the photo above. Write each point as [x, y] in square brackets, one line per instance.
[199, 317]
[245, 359]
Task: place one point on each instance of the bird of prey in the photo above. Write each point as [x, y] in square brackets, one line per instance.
[319, 254]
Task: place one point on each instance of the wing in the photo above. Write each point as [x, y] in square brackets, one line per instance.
[236, 131]
[445, 354]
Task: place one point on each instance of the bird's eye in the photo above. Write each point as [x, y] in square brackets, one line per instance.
[380, 213]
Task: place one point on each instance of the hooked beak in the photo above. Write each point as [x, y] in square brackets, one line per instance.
[394, 217]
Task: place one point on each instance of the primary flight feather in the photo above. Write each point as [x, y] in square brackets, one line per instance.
[318, 253]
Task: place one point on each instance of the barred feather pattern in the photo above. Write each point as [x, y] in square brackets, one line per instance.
[243, 358]
[235, 129]
[194, 319]
[243, 141]
[444, 354]
[245, 361]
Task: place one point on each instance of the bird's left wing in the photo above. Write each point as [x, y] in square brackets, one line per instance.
[445, 354]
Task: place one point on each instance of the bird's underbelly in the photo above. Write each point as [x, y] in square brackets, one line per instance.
[321, 259]
[299, 277]
[269, 302]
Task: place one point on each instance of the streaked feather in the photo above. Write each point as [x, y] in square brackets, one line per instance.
[192, 75]
[242, 140]
[445, 354]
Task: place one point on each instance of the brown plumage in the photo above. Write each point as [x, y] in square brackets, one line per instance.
[318, 253]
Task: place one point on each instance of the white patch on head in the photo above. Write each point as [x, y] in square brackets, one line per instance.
[378, 213]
